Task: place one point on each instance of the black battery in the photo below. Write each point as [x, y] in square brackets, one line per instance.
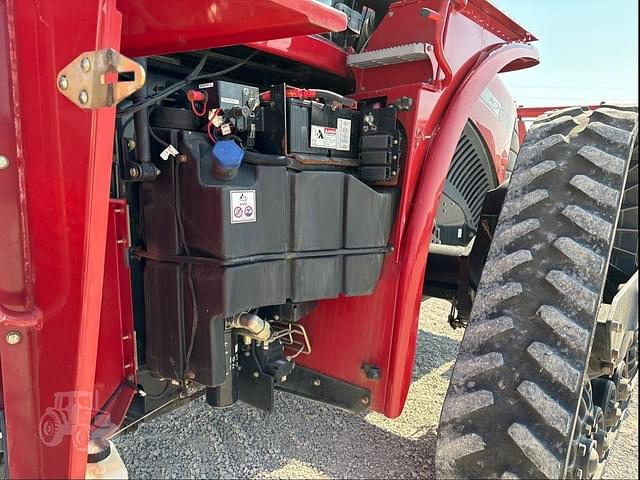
[316, 129]
[308, 129]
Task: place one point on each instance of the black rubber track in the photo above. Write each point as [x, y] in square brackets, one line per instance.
[512, 401]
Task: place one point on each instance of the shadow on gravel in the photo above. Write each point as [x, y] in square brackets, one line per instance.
[432, 352]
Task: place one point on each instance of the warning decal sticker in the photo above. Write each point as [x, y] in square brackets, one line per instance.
[344, 134]
[332, 138]
[243, 206]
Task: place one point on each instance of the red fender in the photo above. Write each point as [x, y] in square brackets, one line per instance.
[426, 199]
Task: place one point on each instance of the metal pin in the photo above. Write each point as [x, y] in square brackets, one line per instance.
[85, 64]
[13, 338]
[63, 82]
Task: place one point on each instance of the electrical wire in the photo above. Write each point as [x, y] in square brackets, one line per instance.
[193, 76]
[154, 134]
[190, 283]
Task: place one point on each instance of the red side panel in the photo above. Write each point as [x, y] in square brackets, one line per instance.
[63, 156]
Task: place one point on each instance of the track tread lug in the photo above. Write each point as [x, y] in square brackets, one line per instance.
[550, 410]
[583, 257]
[476, 365]
[536, 451]
[588, 221]
[555, 365]
[603, 160]
[571, 333]
[595, 190]
[465, 404]
[573, 290]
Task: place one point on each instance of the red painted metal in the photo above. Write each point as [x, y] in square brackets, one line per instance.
[116, 374]
[495, 120]
[166, 26]
[495, 21]
[315, 51]
[63, 156]
[381, 329]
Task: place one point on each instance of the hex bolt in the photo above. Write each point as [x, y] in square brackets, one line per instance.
[63, 82]
[85, 64]
[364, 400]
[13, 338]
[4, 162]
[316, 382]
[256, 374]
[83, 96]
[131, 144]
[133, 171]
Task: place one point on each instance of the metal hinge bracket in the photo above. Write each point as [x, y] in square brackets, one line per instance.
[102, 78]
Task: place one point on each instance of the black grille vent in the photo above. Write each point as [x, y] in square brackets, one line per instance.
[470, 176]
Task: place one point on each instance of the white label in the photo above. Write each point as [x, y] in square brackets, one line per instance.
[232, 101]
[206, 85]
[170, 151]
[332, 138]
[225, 129]
[324, 137]
[344, 134]
[243, 206]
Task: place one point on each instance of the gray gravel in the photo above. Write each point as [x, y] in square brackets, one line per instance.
[303, 439]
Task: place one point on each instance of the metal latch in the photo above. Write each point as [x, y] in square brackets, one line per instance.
[100, 79]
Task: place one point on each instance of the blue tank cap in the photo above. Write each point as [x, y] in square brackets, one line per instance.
[228, 153]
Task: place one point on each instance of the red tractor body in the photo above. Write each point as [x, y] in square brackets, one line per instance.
[66, 318]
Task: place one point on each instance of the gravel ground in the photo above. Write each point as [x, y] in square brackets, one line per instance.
[303, 439]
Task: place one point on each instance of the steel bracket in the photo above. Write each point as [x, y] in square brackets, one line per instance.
[101, 78]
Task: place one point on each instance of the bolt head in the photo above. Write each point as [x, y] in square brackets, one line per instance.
[133, 172]
[63, 82]
[131, 144]
[256, 374]
[4, 162]
[316, 382]
[364, 400]
[83, 97]
[85, 64]
[13, 338]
